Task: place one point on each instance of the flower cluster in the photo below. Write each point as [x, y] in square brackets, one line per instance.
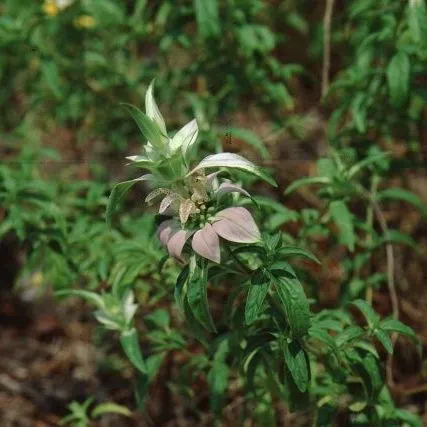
[195, 202]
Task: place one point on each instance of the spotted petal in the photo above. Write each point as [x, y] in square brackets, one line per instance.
[206, 243]
[167, 202]
[186, 207]
[236, 225]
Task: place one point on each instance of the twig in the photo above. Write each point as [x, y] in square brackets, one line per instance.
[327, 23]
[391, 285]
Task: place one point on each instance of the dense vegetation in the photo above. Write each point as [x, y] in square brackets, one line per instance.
[275, 274]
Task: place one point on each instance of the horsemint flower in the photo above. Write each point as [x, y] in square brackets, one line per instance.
[200, 217]
[192, 198]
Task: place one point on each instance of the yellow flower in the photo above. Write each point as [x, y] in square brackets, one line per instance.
[50, 8]
[85, 21]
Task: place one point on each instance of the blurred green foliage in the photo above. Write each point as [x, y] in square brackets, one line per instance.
[68, 66]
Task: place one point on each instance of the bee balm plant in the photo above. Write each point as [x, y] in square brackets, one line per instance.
[262, 339]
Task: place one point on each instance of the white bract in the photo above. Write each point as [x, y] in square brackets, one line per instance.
[234, 224]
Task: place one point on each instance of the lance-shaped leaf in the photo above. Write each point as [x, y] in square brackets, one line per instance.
[295, 303]
[236, 225]
[147, 126]
[110, 408]
[368, 313]
[231, 160]
[130, 344]
[89, 296]
[118, 192]
[398, 78]
[197, 296]
[384, 338]
[152, 110]
[344, 219]
[153, 365]
[207, 16]
[293, 251]
[307, 181]
[185, 138]
[297, 362]
[258, 290]
[218, 383]
[393, 325]
[402, 195]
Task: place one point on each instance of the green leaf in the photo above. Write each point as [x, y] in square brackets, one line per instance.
[218, 384]
[105, 12]
[144, 380]
[298, 364]
[117, 194]
[159, 318]
[367, 311]
[417, 20]
[180, 287]
[402, 195]
[258, 290]
[394, 325]
[359, 111]
[306, 181]
[281, 268]
[291, 251]
[371, 376]
[395, 236]
[398, 78]
[207, 15]
[147, 126]
[344, 219]
[326, 168]
[384, 339]
[322, 336]
[197, 293]
[90, 297]
[111, 408]
[349, 334]
[130, 344]
[51, 75]
[372, 159]
[295, 303]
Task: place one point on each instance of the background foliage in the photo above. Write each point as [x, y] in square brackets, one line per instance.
[353, 164]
